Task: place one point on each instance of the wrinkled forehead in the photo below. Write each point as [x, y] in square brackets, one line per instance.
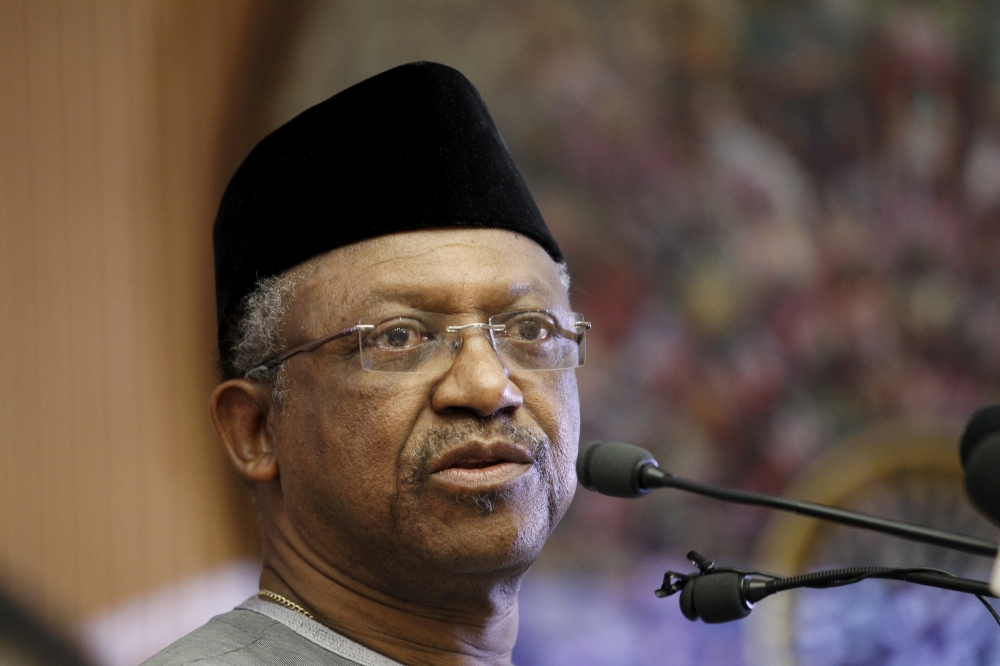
[476, 271]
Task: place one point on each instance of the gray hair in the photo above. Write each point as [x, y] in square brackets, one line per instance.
[256, 336]
[563, 271]
[259, 329]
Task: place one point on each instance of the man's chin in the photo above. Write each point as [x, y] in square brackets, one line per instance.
[489, 531]
[477, 564]
[485, 532]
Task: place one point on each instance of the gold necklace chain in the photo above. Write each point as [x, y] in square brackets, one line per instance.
[282, 601]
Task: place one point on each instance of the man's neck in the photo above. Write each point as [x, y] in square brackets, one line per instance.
[470, 631]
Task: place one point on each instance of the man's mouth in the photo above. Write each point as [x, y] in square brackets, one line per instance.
[481, 466]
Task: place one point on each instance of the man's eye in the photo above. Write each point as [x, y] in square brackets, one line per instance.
[398, 337]
[401, 336]
[531, 329]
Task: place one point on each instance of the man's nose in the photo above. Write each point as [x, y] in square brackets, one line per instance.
[477, 380]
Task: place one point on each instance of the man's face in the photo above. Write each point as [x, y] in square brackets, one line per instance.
[463, 472]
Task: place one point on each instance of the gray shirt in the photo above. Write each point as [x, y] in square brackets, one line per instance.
[260, 633]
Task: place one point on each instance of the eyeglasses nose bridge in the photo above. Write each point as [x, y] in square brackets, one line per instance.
[481, 326]
[487, 330]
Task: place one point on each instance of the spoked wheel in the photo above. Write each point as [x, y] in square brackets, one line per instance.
[899, 471]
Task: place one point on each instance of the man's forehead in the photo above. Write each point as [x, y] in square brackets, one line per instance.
[445, 268]
[488, 296]
[460, 254]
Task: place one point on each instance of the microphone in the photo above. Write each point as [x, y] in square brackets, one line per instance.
[980, 454]
[722, 595]
[715, 598]
[614, 468]
[624, 470]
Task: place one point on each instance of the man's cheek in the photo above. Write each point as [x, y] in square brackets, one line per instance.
[556, 412]
[371, 427]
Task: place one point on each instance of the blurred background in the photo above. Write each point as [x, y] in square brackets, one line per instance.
[783, 218]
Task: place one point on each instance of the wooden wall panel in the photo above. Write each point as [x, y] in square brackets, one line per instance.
[112, 114]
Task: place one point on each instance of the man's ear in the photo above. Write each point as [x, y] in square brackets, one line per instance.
[240, 410]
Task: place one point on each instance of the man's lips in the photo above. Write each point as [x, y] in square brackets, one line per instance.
[481, 466]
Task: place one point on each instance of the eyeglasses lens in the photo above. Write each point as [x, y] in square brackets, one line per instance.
[422, 342]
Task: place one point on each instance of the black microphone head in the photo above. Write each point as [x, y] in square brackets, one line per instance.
[980, 453]
[714, 598]
[613, 468]
[985, 422]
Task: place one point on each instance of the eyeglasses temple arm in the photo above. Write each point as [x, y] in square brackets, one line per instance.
[573, 335]
[305, 347]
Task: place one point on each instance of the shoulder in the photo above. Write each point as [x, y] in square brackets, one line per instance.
[243, 638]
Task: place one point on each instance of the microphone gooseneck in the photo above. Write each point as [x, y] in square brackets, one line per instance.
[624, 470]
[980, 455]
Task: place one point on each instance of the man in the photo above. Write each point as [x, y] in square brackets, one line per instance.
[398, 353]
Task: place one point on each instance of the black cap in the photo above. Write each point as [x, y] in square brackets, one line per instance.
[411, 148]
